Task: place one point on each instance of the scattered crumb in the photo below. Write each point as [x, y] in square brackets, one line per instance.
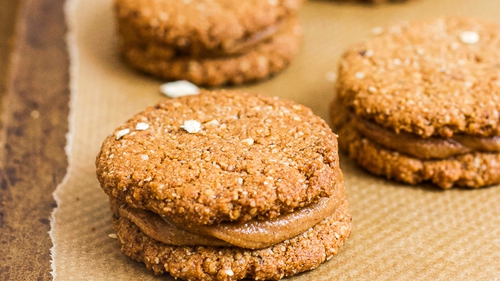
[248, 141]
[179, 89]
[141, 126]
[112, 235]
[122, 133]
[469, 37]
[212, 123]
[191, 126]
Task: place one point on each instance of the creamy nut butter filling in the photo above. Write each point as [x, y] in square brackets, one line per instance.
[234, 48]
[254, 234]
[425, 148]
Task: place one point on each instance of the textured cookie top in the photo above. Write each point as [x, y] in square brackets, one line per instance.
[220, 156]
[437, 77]
[196, 25]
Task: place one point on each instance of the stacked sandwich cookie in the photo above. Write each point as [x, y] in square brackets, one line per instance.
[226, 185]
[421, 101]
[209, 42]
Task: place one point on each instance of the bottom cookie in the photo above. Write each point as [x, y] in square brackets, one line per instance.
[301, 253]
[468, 170]
[261, 61]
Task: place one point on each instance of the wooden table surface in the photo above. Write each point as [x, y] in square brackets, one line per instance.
[34, 96]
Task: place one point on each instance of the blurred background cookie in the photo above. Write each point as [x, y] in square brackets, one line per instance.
[209, 42]
[226, 185]
[421, 101]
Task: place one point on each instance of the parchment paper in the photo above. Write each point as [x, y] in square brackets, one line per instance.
[400, 232]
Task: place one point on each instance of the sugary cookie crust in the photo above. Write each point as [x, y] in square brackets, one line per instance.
[433, 78]
[195, 25]
[255, 157]
[263, 60]
[301, 253]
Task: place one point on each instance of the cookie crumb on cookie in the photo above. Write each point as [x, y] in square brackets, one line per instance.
[248, 141]
[191, 126]
[120, 134]
[469, 37]
[141, 126]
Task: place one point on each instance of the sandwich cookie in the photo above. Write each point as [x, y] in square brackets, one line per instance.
[226, 185]
[420, 102]
[209, 42]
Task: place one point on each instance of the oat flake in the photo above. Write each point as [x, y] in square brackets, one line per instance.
[141, 126]
[191, 126]
[122, 133]
[469, 37]
[179, 89]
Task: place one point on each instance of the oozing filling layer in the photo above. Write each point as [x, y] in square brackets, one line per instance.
[131, 39]
[425, 148]
[254, 234]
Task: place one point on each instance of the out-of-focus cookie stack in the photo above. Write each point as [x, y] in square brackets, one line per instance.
[209, 42]
[421, 102]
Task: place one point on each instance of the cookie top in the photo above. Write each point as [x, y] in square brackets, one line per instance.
[432, 78]
[196, 25]
[220, 156]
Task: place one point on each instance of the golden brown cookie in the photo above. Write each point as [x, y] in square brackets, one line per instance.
[420, 102]
[226, 172]
[209, 42]
[260, 61]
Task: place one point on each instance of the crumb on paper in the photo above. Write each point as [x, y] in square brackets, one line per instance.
[122, 133]
[141, 126]
[191, 126]
[179, 89]
[113, 235]
[469, 37]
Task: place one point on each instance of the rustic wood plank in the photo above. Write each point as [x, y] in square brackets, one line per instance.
[32, 135]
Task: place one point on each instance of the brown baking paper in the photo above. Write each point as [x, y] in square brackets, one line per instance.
[399, 232]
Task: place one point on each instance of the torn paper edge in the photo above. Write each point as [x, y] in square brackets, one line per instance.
[72, 48]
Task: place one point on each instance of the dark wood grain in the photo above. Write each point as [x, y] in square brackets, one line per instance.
[34, 99]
